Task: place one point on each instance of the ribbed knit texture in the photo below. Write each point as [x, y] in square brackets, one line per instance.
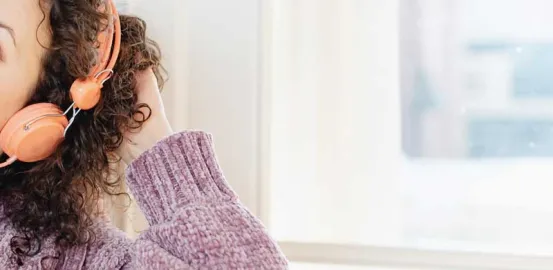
[196, 220]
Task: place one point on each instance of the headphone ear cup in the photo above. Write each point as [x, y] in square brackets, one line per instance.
[34, 133]
[85, 93]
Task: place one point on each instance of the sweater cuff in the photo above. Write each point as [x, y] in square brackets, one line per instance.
[178, 171]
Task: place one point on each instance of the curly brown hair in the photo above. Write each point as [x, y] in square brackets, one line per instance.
[51, 198]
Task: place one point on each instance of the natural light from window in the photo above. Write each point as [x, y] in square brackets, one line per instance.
[428, 125]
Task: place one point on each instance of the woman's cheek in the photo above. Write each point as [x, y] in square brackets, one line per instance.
[13, 93]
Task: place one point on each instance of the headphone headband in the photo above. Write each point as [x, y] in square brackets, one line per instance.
[85, 92]
[106, 40]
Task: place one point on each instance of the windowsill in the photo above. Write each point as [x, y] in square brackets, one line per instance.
[309, 266]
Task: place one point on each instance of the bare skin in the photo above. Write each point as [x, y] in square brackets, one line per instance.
[20, 53]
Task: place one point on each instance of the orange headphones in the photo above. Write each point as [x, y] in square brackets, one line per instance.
[35, 132]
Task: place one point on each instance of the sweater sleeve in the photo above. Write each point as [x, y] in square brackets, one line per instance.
[196, 220]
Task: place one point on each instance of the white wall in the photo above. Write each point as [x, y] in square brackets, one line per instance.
[211, 49]
[223, 59]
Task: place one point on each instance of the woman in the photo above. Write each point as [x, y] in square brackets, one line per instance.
[48, 213]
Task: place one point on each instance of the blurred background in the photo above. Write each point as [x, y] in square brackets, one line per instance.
[373, 134]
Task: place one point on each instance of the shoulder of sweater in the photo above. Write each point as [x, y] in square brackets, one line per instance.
[109, 248]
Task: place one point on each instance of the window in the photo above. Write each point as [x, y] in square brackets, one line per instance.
[475, 81]
[476, 100]
[411, 132]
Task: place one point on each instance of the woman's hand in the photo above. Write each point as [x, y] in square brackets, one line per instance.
[155, 128]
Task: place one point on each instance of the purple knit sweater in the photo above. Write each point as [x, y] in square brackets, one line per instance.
[196, 220]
